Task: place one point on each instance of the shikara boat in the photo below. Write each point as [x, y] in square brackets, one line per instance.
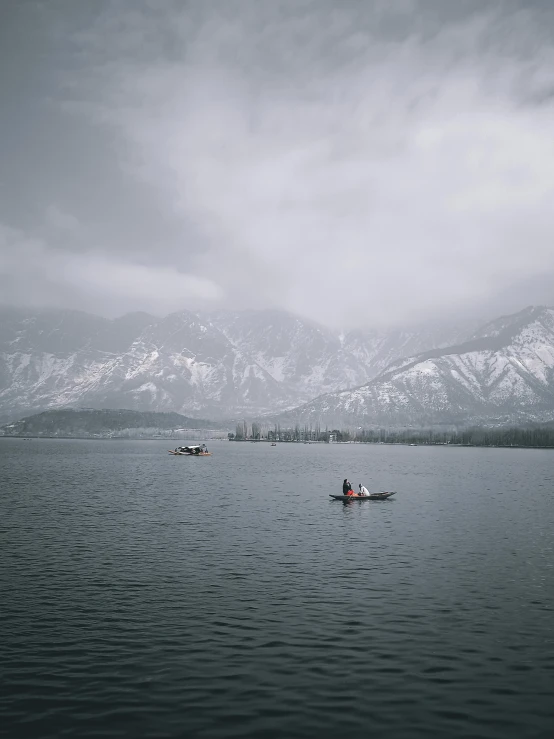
[371, 496]
[195, 450]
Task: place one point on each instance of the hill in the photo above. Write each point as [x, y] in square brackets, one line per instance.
[105, 423]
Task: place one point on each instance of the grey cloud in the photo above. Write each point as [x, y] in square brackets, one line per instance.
[356, 162]
[34, 274]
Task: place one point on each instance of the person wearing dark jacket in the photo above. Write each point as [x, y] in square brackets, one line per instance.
[347, 488]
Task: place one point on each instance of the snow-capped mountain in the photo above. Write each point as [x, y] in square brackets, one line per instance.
[60, 358]
[207, 365]
[376, 350]
[505, 373]
[309, 359]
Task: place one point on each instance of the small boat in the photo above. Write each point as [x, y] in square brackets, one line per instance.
[195, 450]
[274, 444]
[371, 496]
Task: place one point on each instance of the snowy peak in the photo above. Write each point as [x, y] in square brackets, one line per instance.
[294, 352]
[180, 362]
[505, 372]
[509, 326]
[310, 359]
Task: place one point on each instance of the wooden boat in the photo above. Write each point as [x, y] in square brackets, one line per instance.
[190, 454]
[371, 496]
[190, 451]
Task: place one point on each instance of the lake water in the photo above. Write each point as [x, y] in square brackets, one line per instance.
[144, 595]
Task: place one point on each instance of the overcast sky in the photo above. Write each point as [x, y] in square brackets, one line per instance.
[356, 162]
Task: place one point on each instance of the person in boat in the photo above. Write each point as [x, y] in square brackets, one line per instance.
[347, 488]
[363, 491]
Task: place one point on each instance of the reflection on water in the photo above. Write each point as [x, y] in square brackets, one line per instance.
[147, 595]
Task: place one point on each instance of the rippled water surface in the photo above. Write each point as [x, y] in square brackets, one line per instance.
[144, 595]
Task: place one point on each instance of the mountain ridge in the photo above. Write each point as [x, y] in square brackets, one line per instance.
[216, 365]
[507, 375]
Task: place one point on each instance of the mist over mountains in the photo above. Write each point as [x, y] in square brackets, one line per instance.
[274, 365]
[209, 365]
[504, 375]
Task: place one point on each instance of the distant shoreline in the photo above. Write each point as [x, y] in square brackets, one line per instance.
[30, 437]
[266, 441]
[396, 443]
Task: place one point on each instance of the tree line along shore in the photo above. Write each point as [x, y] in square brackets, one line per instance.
[541, 437]
[123, 423]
